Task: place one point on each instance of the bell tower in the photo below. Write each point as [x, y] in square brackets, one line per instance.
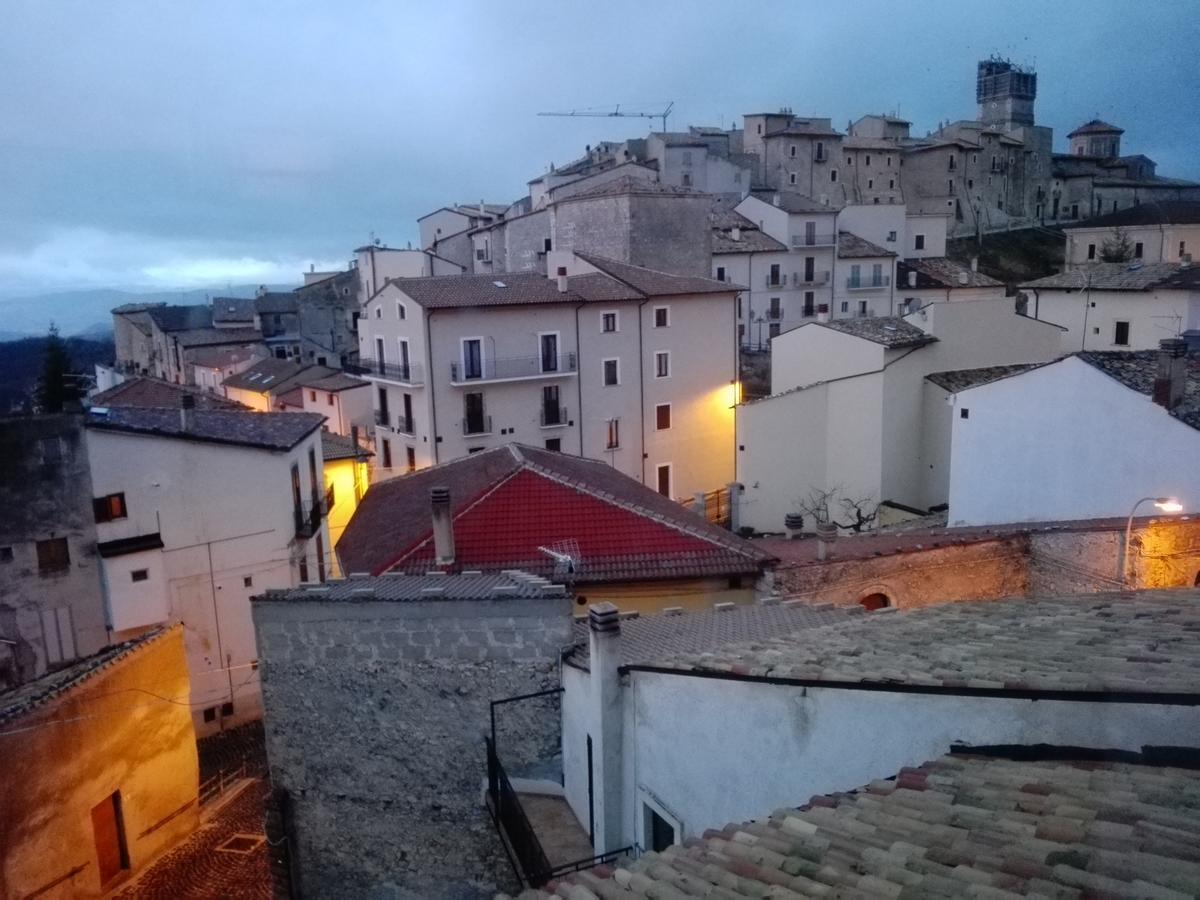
[1005, 93]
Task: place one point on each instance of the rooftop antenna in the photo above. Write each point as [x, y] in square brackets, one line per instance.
[568, 561]
[617, 112]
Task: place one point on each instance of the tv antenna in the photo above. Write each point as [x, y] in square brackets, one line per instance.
[568, 561]
[658, 111]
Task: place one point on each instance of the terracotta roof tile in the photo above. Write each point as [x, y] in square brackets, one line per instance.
[151, 392]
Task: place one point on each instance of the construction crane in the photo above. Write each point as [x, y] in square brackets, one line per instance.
[617, 112]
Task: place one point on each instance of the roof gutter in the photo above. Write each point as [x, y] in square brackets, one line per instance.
[1154, 698]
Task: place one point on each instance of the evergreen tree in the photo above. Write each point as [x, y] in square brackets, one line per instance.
[1118, 248]
[56, 388]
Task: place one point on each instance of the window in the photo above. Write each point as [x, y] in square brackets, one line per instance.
[833, 174]
[379, 312]
[472, 357]
[663, 479]
[554, 445]
[950, 186]
[720, 273]
[791, 177]
[109, 507]
[919, 242]
[210, 714]
[312, 396]
[845, 306]
[548, 350]
[891, 237]
[773, 311]
[809, 304]
[303, 566]
[1182, 248]
[953, 162]
[139, 575]
[614, 435]
[662, 364]
[1091, 251]
[849, 161]
[889, 161]
[820, 151]
[964, 413]
[608, 321]
[547, 244]
[773, 330]
[855, 275]
[58, 636]
[686, 179]
[662, 316]
[776, 277]
[970, 184]
[410, 458]
[870, 183]
[1137, 250]
[612, 372]
[662, 416]
[386, 447]
[320, 558]
[329, 399]
[868, 160]
[248, 581]
[401, 312]
[53, 556]
[474, 419]
[227, 708]
[862, 307]
[1121, 334]
[6, 554]
[792, 151]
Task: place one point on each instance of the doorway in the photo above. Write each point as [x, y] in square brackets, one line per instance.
[108, 829]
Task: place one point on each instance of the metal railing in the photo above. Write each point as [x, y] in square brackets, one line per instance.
[814, 240]
[816, 278]
[775, 314]
[412, 373]
[859, 284]
[510, 818]
[213, 787]
[513, 367]
[716, 506]
[405, 425]
[477, 425]
[553, 416]
[779, 280]
[308, 517]
[381, 418]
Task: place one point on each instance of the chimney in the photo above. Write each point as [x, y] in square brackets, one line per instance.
[482, 209]
[187, 413]
[974, 263]
[604, 664]
[1185, 260]
[736, 232]
[964, 279]
[1170, 382]
[912, 278]
[562, 279]
[775, 199]
[823, 312]
[443, 528]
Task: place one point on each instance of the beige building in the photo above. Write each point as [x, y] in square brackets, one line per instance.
[605, 360]
[100, 769]
[1164, 232]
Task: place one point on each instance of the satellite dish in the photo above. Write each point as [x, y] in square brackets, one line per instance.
[568, 561]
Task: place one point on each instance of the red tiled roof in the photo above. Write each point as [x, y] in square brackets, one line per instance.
[508, 502]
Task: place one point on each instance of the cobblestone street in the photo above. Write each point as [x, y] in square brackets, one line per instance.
[198, 870]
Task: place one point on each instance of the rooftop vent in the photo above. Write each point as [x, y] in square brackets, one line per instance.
[500, 284]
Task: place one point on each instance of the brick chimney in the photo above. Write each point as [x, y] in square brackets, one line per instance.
[443, 528]
[187, 413]
[1170, 381]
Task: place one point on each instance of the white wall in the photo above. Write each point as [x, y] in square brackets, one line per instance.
[1090, 317]
[439, 225]
[1159, 243]
[933, 227]
[342, 409]
[1066, 441]
[793, 742]
[876, 223]
[814, 353]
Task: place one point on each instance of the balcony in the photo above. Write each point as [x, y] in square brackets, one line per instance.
[411, 374]
[473, 425]
[308, 517]
[814, 240]
[554, 416]
[513, 368]
[799, 278]
[779, 280]
[870, 284]
[775, 314]
[405, 425]
[381, 418]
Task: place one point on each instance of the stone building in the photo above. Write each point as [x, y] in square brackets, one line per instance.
[378, 697]
[100, 769]
[51, 602]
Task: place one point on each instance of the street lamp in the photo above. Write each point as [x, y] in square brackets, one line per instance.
[1167, 505]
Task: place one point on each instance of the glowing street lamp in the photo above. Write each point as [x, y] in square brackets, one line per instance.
[1167, 505]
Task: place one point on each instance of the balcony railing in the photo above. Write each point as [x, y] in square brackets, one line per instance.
[815, 278]
[405, 425]
[868, 284]
[779, 280]
[381, 418]
[308, 517]
[412, 373]
[513, 367]
[477, 425]
[774, 314]
[814, 240]
[554, 416]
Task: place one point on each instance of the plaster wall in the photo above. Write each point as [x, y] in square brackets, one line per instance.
[1090, 317]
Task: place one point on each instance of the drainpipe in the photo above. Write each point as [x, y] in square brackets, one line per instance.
[642, 387]
[429, 377]
[579, 377]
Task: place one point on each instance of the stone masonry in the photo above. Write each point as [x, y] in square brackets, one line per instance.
[376, 712]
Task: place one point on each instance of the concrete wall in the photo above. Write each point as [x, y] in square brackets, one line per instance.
[1099, 447]
[71, 753]
[342, 409]
[685, 731]
[814, 353]
[225, 514]
[1160, 243]
[46, 491]
[376, 714]
[1090, 317]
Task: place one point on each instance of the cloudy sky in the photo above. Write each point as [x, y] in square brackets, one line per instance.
[172, 144]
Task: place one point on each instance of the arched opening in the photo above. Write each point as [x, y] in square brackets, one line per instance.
[876, 601]
[1196, 583]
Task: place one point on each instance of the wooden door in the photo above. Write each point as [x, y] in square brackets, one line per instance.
[108, 830]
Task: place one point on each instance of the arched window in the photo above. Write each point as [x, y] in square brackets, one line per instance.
[874, 602]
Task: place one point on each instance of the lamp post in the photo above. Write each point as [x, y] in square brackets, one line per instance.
[1167, 505]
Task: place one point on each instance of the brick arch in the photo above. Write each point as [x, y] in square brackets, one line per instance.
[876, 597]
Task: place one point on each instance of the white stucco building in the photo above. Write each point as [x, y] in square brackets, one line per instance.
[1118, 306]
[205, 508]
[1084, 437]
[847, 405]
[605, 360]
[652, 737]
[1166, 231]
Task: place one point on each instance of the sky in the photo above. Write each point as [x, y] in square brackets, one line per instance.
[163, 145]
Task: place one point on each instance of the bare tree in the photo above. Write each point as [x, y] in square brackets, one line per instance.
[860, 514]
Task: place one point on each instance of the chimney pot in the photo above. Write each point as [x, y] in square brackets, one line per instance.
[736, 233]
[1170, 382]
[187, 413]
[562, 279]
[823, 312]
[974, 263]
[443, 527]
[912, 279]
[604, 618]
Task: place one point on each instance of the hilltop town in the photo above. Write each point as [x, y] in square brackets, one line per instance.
[708, 521]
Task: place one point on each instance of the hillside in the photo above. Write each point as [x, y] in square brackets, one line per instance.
[21, 363]
[1013, 256]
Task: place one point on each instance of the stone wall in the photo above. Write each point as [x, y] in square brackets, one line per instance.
[376, 713]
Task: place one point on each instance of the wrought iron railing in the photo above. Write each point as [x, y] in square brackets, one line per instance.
[814, 240]
[406, 373]
[477, 425]
[554, 415]
[866, 284]
[513, 367]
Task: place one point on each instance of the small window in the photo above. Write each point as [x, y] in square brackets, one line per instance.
[547, 245]
[1091, 251]
[1137, 250]
[662, 364]
[663, 477]
[139, 575]
[410, 458]
[614, 435]
[919, 242]
[720, 273]
[110, 507]
[58, 635]
[330, 399]
[248, 581]
[845, 306]
[303, 568]
[964, 413]
[608, 322]
[53, 556]
[792, 150]
[870, 183]
[1182, 247]
[379, 312]
[791, 177]
[210, 714]
[833, 174]
[687, 179]
[1121, 334]
[554, 445]
[401, 312]
[227, 709]
[6, 554]
[612, 372]
[862, 307]
[312, 396]
[662, 416]
[892, 237]
[868, 160]
[662, 316]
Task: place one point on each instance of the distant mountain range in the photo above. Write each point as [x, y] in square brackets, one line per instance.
[87, 312]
